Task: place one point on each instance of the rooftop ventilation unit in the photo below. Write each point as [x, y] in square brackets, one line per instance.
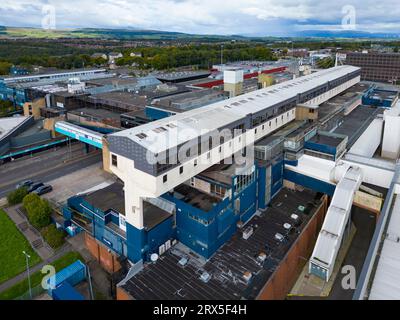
[247, 276]
[279, 237]
[247, 233]
[287, 226]
[205, 277]
[183, 262]
[262, 257]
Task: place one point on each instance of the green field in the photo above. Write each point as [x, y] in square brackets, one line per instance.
[12, 243]
[36, 278]
[36, 33]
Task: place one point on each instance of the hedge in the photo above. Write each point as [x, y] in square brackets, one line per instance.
[16, 196]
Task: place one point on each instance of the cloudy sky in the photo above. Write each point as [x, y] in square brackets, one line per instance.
[246, 17]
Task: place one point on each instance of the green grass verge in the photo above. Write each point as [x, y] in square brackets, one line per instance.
[36, 278]
[12, 243]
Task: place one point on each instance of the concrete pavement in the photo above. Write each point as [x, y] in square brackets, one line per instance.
[43, 169]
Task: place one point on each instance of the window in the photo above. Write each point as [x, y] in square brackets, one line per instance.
[114, 160]
[255, 131]
[181, 170]
[165, 178]
[208, 155]
[195, 163]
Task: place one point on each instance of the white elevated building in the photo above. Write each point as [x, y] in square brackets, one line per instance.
[156, 157]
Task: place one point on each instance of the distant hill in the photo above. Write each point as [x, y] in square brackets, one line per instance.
[350, 34]
[139, 34]
[122, 34]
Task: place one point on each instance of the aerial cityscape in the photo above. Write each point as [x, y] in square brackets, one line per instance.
[190, 150]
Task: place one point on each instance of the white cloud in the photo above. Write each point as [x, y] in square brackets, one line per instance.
[205, 16]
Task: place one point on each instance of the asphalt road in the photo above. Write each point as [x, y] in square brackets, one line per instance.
[45, 166]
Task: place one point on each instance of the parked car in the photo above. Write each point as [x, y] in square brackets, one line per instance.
[34, 186]
[43, 190]
[26, 183]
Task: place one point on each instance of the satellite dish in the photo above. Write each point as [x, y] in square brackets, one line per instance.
[154, 257]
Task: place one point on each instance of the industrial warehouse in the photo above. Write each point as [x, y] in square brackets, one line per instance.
[249, 181]
[196, 224]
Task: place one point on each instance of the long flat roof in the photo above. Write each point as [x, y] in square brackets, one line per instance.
[8, 124]
[50, 74]
[197, 122]
[386, 283]
[167, 279]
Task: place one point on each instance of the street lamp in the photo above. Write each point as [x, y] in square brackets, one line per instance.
[27, 257]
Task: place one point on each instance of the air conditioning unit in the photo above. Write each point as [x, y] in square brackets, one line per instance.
[161, 249]
[279, 237]
[247, 233]
[205, 277]
[262, 257]
[183, 262]
[247, 276]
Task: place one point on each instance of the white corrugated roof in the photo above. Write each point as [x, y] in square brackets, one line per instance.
[8, 124]
[194, 123]
[329, 239]
[386, 283]
[325, 243]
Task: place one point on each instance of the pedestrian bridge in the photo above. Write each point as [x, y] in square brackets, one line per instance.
[84, 135]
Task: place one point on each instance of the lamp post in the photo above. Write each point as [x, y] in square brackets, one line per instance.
[27, 257]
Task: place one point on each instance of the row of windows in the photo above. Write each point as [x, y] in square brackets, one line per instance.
[199, 220]
[166, 165]
[162, 167]
[165, 177]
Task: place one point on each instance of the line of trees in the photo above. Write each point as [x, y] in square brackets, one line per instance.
[203, 56]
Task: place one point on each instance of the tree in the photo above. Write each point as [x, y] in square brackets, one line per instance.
[5, 67]
[38, 210]
[53, 236]
[6, 107]
[17, 196]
